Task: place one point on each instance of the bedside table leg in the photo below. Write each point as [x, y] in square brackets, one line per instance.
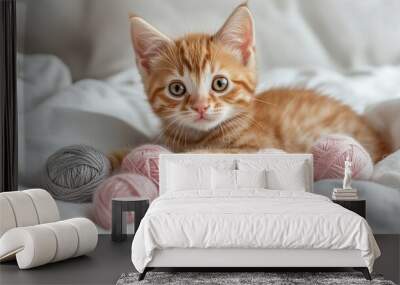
[118, 230]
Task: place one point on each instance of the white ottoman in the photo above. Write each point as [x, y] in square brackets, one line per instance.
[37, 245]
[31, 233]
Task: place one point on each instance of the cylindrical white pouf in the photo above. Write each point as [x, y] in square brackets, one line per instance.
[23, 208]
[40, 244]
[46, 207]
[87, 233]
[7, 218]
[67, 240]
[26, 208]
[33, 246]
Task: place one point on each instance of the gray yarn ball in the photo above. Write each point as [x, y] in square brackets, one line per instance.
[73, 172]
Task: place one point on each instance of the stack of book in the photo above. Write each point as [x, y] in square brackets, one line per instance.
[344, 194]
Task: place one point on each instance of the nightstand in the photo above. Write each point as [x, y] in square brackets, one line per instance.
[357, 206]
[119, 208]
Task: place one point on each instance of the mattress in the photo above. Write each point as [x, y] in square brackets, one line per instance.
[254, 218]
[383, 203]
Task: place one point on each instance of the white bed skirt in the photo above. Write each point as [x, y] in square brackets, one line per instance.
[226, 257]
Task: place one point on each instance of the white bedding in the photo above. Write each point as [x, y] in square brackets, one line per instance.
[250, 219]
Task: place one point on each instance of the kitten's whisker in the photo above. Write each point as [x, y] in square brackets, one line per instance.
[249, 117]
[265, 102]
[233, 130]
[224, 137]
[232, 126]
[167, 128]
[173, 113]
[181, 133]
[246, 118]
[178, 132]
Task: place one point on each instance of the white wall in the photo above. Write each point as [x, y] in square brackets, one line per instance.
[92, 36]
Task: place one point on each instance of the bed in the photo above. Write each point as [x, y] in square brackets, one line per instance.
[237, 221]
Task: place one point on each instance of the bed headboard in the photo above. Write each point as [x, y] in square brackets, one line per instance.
[222, 160]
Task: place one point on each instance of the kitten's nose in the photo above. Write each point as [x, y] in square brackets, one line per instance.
[200, 108]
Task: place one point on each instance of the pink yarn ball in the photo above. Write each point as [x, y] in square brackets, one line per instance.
[330, 153]
[144, 160]
[119, 186]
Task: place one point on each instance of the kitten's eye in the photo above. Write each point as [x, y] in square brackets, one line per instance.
[219, 84]
[177, 89]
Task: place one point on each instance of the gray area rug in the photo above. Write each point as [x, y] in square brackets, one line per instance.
[243, 278]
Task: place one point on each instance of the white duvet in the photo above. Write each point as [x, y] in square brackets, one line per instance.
[250, 219]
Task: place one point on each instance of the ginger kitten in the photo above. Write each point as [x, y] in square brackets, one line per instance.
[203, 89]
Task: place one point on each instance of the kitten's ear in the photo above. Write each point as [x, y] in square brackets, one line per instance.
[146, 41]
[238, 32]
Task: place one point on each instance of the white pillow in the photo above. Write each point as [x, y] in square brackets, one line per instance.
[223, 179]
[227, 179]
[282, 173]
[293, 180]
[251, 179]
[183, 178]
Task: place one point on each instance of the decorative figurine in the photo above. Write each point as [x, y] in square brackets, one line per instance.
[347, 174]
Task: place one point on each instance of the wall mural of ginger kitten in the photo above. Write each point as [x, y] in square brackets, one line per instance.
[202, 87]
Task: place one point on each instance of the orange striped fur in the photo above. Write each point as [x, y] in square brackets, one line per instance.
[203, 89]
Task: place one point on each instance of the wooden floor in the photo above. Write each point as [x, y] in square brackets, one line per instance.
[110, 260]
